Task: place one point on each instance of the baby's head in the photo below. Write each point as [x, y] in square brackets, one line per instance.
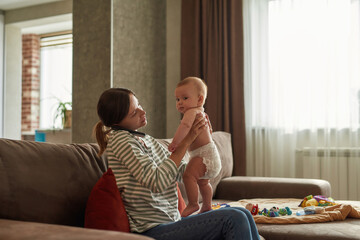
[190, 92]
[198, 83]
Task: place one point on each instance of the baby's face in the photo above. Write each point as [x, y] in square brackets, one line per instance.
[186, 97]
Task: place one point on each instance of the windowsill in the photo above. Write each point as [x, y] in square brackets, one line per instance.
[52, 135]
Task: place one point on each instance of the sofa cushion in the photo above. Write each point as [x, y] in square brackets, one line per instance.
[222, 141]
[105, 209]
[20, 230]
[47, 182]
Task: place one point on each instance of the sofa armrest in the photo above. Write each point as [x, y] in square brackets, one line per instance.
[243, 187]
[11, 229]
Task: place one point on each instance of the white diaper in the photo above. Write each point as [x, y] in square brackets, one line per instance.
[211, 159]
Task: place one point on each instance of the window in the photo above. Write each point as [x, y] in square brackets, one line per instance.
[302, 82]
[305, 58]
[56, 77]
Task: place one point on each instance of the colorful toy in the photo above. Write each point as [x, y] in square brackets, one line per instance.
[263, 212]
[311, 202]
[275, 212]
[310, 210]
[317, 200]
[218, 205]
[253, 208]
[285, 211]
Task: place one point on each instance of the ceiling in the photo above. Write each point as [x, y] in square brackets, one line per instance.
[38, 26]
[13, 4]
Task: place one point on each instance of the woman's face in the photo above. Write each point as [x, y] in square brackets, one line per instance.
[136, 117]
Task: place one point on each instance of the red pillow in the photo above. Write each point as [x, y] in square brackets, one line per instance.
[105, 209]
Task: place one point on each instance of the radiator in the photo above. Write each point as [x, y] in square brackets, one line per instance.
[339, 166]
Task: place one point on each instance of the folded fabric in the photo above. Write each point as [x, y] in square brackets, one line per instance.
[338, 212]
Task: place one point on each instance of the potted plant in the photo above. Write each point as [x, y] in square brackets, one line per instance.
[64, 110]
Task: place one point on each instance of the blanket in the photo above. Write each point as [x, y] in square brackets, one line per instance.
[339, 212]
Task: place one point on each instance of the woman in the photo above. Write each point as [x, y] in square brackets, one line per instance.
[146, 175]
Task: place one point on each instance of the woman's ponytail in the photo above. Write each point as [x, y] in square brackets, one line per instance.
[101, 136]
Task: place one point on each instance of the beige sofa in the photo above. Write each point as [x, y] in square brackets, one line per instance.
[44, 188]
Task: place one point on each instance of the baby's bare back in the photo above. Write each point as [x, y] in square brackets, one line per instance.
[203, 138]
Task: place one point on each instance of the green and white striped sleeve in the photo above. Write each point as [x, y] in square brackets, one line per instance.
[154, 174]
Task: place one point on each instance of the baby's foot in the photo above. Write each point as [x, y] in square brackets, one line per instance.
[190, 208]
[205, 208]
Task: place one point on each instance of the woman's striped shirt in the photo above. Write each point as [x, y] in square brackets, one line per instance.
[146, 177]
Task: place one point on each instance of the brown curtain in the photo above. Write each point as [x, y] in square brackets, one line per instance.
[212, 49]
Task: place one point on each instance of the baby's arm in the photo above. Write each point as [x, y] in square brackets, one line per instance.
[183, 129]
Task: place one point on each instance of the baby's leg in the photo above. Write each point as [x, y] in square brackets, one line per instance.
[194, 170]
[206, 193]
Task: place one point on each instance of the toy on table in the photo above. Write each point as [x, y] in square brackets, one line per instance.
[275, 212]
[317, 200]
[285, 211]
[310, 210]
[218, 205]
[272, 212]
[253, 208]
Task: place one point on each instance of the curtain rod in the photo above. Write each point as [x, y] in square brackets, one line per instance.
[56, 44]
[55, 34]
[57, 40]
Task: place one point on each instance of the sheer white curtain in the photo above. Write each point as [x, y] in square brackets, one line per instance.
[302, 82]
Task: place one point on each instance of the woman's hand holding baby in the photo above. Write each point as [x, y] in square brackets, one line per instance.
[201, 120]
[198, 126]
[172, 147]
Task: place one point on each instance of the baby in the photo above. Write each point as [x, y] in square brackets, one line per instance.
[204, 161]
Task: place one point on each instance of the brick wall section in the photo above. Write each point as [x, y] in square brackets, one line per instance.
[30, 112]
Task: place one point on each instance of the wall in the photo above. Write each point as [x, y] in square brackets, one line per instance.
[139, 56]
[91, 63]
[12, 83]
[173, 31]
[30, 104]
[126, 47]
[2, 24]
